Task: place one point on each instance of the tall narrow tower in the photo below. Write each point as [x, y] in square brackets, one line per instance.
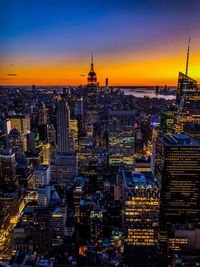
[187, 99]
[188, 57]
[92, 88]
[63, 118]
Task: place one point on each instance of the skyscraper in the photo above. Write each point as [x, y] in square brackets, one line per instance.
[8, 179]
[121, 138]
[91, 97]
[177, 167]
[16, 143]
[63, 118]
[42, 114]
[20, 122]
[65, 167]
[140, 200]
[187, 99]
[167, 121]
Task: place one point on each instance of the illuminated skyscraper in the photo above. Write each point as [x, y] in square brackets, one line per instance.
[63, 119]
[121, 138]
[46, 153]
[20, 122]
[78, 193]
[140, 198]
[188, 102]
[167, 121]
[91, 99]
[177, 168]
[96, 225]
[187, 99]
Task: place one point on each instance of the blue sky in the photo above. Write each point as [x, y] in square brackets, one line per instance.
[39, 31]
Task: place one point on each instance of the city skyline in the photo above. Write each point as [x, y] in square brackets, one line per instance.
[140, 43]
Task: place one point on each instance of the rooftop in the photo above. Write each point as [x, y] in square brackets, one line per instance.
[179, 140]
[134, 179]
[42, 167]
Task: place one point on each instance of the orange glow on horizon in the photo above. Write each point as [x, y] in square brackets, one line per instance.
[159, 71]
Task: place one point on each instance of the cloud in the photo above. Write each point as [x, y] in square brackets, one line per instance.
[12, 74]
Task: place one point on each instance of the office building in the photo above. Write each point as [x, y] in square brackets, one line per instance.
[16, 143]
[140, 208]
[78, 193]
[74, 134]
[121, 138]
[96, 225]
[41, 175]
[44, 196]
[188, 102]
[42, 114]
[51, 135]
[64, 167]
[20, 122]
[8, 179]
[167, 121]
[42, 231]
[91, 97]
[92, 89]
[62, 120]
[177, 169]
[46, 153]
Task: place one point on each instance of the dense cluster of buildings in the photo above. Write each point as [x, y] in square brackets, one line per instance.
[90, 176]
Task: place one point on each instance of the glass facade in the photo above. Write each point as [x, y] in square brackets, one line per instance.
[177, 169]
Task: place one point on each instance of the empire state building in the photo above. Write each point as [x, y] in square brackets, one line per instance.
[92, 89]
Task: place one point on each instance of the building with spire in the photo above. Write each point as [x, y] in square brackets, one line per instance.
[91, 94]
[187, 99]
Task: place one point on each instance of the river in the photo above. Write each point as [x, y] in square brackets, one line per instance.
[149, 93]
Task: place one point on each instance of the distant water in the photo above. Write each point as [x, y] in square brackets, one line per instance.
[149, 93]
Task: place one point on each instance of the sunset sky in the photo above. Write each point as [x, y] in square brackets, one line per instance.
[135, 42]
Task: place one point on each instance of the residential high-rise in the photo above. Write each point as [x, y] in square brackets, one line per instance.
[63, 119]
[121, 138]
[177, 167]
